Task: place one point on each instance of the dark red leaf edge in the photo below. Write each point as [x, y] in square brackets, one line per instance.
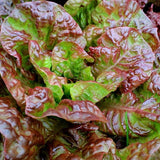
[40, 103]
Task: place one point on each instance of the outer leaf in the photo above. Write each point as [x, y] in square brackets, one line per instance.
[48, 23]
[16, 84]
[118, 13]
[42, 63]
[7, 6]
[68, 60]
[89, 90]
[57, 151]
[143, 120]
[140, 150]
[21, 140]
[82, 142]
[99, 148]
[40, 103]
[124, 52]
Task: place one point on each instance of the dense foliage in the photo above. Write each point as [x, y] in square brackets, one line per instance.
[79, 81]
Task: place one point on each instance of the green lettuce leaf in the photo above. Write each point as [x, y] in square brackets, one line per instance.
[89, 90]
[81, 10]
[42, 62]
[68, 60]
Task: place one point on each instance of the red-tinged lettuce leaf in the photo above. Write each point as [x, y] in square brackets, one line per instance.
[119, 13]
[116, 98]
[6, 6]
[40, 103]
[150, 89]
[99, 147]
[42, 62]
[57, 151]
[20, 140]
[68, 60]
[141, 119]
[92, 33]
[115, 13]
[46, 22]
[140, 151]
[124, 51]
[82, 143]
[89, 90]
[16, 84]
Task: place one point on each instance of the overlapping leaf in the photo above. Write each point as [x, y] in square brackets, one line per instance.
[123, 50]
[82, 145]
[21, 140]
[141, 150]
[48, 23]
[40, 103]
[112, 91]
[15, 82]
[116, 13]
[81, 10]
[142, 120]
[68, 60]
[42, 63]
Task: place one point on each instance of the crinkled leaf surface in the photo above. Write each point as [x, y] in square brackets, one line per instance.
[99, 148]
[140, 151]
[115, 13]
[6, 6]
[150, 89]
[142, 120]
[40, 103]
[21, 140]
[15, 82]
[92, 33]
[46, 22]
[82, 144]
[123, 50]
[81, 10]
[42, 63]
[68, 60]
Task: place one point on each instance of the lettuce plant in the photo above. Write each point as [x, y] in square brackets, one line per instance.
[78, 82]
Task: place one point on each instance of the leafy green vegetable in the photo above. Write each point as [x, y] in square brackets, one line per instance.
[68, 60]
[80, 82]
